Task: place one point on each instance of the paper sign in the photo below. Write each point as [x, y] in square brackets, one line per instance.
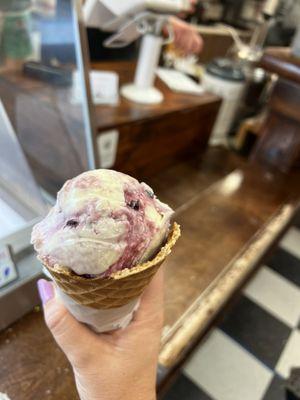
[8, 271]
[179, 82]
[104, 87]
[107, 143]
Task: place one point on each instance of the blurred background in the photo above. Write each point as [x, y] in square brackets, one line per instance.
[200, 99]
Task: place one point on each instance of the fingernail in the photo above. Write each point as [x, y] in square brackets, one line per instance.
[45, 289]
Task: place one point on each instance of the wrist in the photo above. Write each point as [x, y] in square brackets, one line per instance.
[140, 391]
[142, 396]
[114, 390]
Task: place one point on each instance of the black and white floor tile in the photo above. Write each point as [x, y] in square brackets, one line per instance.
[250, 354]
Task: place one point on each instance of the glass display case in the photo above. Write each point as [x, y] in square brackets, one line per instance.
[46, 134]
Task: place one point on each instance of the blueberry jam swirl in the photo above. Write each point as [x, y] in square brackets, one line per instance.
[103, 221]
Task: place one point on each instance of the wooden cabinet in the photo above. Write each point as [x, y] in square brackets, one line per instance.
[152, 137]
[147, 147]
[279, 143]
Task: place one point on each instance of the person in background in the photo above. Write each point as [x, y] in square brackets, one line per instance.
[186, 36]
[186, 39]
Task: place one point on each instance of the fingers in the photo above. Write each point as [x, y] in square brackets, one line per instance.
[186, 37]
[152, 300]
[75, 339]
[194, 42]
[198, 44]
[189, 44]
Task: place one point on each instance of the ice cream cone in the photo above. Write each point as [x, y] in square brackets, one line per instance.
[116, 290]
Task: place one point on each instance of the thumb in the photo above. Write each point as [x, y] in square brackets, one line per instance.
[151, 306]
[75, 339]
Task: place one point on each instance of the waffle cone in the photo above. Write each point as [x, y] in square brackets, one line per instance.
[119, 288]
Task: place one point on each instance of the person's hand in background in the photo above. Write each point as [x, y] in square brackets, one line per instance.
[110, 366]
[186, 37]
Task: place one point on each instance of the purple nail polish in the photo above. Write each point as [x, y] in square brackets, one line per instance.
[45, 289]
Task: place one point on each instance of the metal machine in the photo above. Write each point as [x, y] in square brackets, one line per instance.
[233, 77]
[131, 20]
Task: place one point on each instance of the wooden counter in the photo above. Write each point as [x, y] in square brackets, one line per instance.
[126, 111]
[151, 137]
[231, 215]
[281, 61]
[49, 123]
[279, 137]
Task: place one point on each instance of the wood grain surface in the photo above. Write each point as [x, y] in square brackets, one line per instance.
[222, 204]
[151, 137]
[49, 128]
[49, 124]
[127, 112]
[279, 138]
[281, 61]
[217, 224]
[31, 364]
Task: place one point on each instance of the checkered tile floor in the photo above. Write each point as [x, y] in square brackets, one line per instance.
[250, 354]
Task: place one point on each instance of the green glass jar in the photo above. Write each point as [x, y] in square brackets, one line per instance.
[16, 38]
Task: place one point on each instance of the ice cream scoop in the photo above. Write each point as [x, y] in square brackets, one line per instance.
[103, 221]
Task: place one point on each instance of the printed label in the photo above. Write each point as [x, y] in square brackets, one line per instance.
[107, 143]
